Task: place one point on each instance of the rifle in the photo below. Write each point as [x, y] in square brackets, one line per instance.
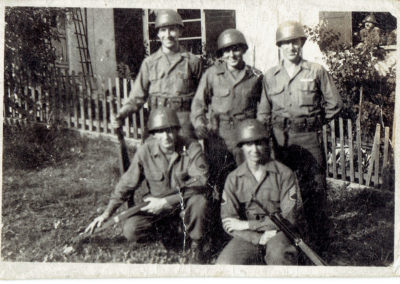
[123, 157]
[294, 237]
[121, 217]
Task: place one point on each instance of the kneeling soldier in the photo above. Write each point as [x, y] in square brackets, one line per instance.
[259, 180]
[176, 174]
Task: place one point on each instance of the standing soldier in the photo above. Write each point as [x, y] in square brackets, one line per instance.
[175, 171]
[298, 98]
[169, 77]
[258, 183]
[228, 93]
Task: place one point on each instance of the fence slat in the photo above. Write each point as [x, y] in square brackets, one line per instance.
[342, 155]
[117, 91]
[351, 152]
[126, 125]
[385, 149]
[104, 104]
[373, 156]
[359, 154]
[97, 103]
[89, 105]
[75, 100]
[333, 140]
[82, 102]
[112, 99]
[377, 154]
[68, 98]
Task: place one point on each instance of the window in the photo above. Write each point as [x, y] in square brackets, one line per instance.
[193, 34]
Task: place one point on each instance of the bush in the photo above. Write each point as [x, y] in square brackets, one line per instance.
[353, 68]
[36, 146]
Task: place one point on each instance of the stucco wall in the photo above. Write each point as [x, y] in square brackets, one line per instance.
[101, 43]
[259, 27]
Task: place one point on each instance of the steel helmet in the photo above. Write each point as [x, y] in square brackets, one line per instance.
[251, 130]
[168, 18]
[371, 19]
[162, 118]
[289, 30]
[231, 37]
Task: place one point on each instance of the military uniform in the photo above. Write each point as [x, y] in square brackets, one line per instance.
[185, 169]
[168, 81]
[226, 101]
[297, 108]
[372, 37]
[278, 192]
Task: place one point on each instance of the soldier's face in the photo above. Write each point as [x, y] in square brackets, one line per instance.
[233, 56]
[369, 25]
[166, 138]
[291, 49]
[256, 151]
[169, 36]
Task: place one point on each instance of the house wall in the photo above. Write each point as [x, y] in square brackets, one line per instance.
[259, 27]
[101, 42]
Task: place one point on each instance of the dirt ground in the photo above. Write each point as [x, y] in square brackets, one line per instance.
[46, 206]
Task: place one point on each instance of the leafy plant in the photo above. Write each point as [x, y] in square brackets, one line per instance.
[367, 92]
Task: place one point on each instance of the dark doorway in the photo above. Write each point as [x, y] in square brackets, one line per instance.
[129, 46]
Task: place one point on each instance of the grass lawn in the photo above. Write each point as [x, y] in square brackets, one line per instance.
[46, 204]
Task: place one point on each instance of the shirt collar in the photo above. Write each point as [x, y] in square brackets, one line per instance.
[303, 65]
[159, 53]
[243, 169]
[222, 68]
[155, 147]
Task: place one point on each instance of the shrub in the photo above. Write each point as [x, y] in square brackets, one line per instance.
[356, 68]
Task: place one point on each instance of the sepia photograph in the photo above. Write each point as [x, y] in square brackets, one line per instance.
[198, 138]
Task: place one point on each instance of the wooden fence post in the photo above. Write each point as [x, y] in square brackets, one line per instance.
[342, 154]
[359, 153]
[385, 149]
[82, 101]
[125, 95]
[111, 101]
[351, 152]
[333, 141]
[374, 155]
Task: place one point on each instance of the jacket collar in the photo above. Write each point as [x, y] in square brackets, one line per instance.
[155, 150]
[222, 68]
[243, 169]
[303, 65]
[159, 53]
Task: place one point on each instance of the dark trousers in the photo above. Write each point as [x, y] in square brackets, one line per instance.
[142, 226]
[278, 251]
[303, 153]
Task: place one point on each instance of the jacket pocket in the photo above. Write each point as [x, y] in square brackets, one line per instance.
[307, 93]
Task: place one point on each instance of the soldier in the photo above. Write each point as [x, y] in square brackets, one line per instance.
[171, 166]
[228, 93]
[371, 34]
[258, 180]
[298, 98]
[169, 77]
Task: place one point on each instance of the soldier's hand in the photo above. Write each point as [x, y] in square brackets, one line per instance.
[155, 206]
[96, 223]
[116, 121]
[201, 132]
[233, 224]
[266, 237]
